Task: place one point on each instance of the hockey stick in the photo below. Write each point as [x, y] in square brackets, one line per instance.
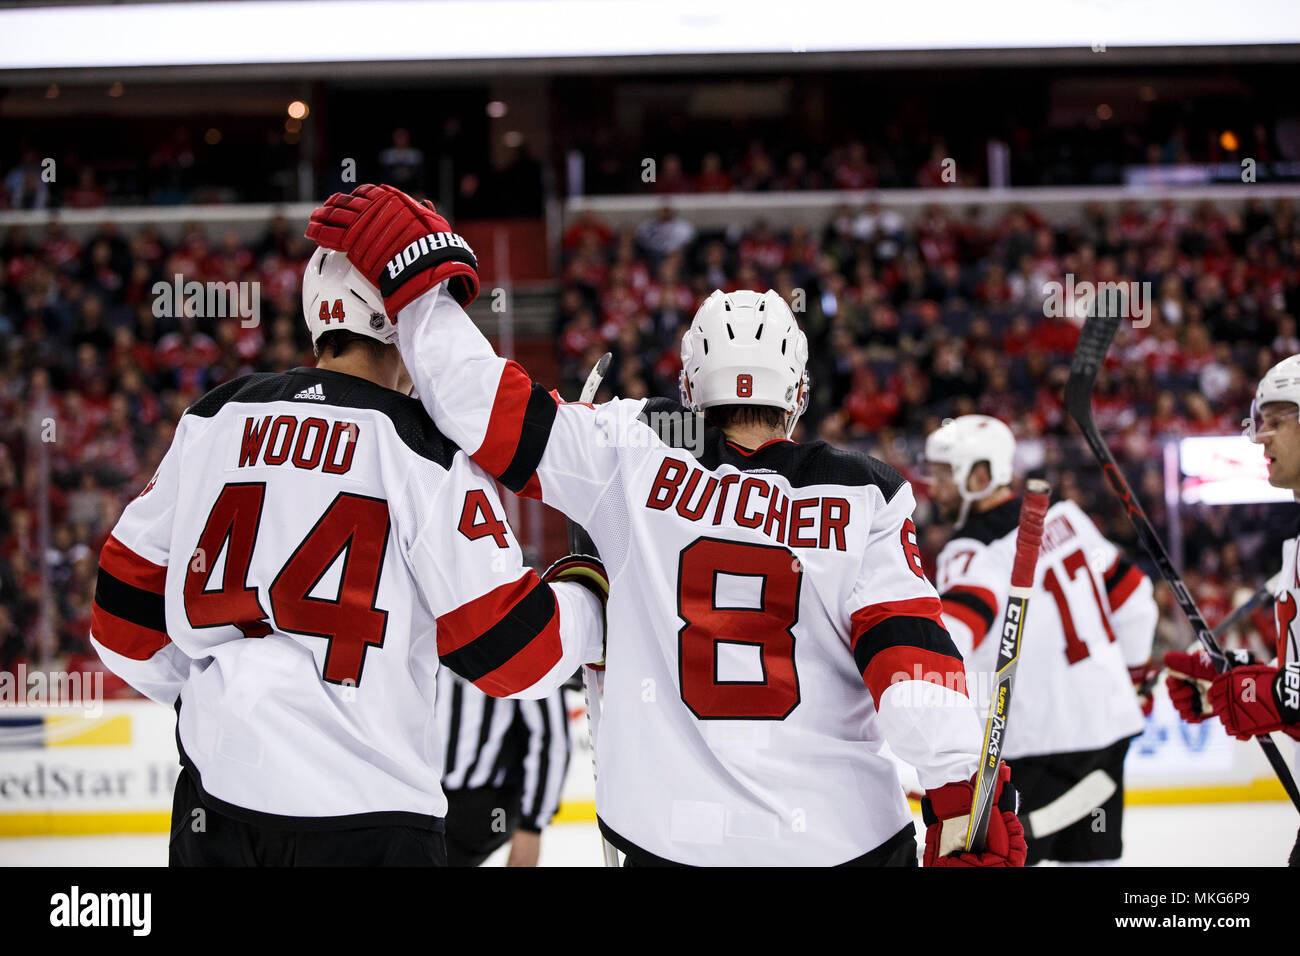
[1070, 807]
[1094, 343]
[1265, 593]
[1029, 536]
[581, 543]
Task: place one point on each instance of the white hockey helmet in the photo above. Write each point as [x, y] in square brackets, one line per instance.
[745, 348]
[964, 442]
[1281, 383]
[336, 296]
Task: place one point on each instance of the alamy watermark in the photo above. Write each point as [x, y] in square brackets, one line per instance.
[211, 300]
[677, 429]
[1127, 300]
[80, 690]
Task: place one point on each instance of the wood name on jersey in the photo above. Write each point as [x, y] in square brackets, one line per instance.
[815, 522]
[308, 444]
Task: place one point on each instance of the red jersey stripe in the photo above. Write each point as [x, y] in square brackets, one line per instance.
[528, 666]
[123, 637]
[894, 665]
[864, 619]
[128, 567]
[1124, 587]
[967, 616]
[507, 420]
[475, 618]
[984, 595]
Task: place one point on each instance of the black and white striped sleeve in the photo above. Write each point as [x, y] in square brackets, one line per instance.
[546, 758]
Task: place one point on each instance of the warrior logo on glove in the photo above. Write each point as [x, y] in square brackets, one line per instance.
[431, 247]
[401, 246]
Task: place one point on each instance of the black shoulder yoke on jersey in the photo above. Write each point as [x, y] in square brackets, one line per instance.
[987, 526]
[411, 422]
[814, 463]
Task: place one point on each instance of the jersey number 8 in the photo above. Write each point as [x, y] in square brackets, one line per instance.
[767, 627]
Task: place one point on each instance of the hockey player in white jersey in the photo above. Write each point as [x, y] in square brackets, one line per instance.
[772, 625]
[309, 550]
[1253, 699]
[1087, 641]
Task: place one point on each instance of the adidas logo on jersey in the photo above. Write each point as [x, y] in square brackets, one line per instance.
[314, 392]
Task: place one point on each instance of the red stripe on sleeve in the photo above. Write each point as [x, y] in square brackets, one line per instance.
[893, 665]
[506, 423]
[1124, 587]
[123, 637]
[864, 619]
[533, 489]
[127, 566]
[474, 618]
[970, 618]
[985, 596]
[528, 666]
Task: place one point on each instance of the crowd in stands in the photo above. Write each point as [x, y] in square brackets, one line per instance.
[95, 371]
[908, 324]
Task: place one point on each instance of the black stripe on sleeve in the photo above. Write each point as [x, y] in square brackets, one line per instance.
[900, 631]
[539, 416]
[529, 617]
[1116, 574]
[968, 600]
[130, 603]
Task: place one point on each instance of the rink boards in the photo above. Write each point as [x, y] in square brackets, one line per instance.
[112, 769]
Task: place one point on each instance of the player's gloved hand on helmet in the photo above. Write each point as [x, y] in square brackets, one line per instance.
[1255, 699]
[946, 812]
[1191, 675]
[584, 570]
[1144, 682]
[404, 247]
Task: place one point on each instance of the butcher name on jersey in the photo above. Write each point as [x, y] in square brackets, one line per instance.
[308, 444]
[814, 522]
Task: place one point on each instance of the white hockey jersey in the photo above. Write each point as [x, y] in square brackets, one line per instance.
[1284, 611]
[1092, 616]
[308, 551]
[770, 621]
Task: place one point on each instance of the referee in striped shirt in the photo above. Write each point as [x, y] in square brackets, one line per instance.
[504, 770]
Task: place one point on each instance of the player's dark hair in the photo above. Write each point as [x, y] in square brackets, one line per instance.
[725, 416]
[339, 341]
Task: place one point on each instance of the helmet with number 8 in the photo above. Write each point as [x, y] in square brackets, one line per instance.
[745, 348]
[336, 296]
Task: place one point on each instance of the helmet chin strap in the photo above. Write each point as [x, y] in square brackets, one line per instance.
[799, 408]
[970, 497]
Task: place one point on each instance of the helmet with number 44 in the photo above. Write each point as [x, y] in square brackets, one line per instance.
[336, 296]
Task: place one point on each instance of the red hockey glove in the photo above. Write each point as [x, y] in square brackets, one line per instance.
[1256, 699]
[1144, 681]
[404, 247]
[946, 813]
[1190, 678]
